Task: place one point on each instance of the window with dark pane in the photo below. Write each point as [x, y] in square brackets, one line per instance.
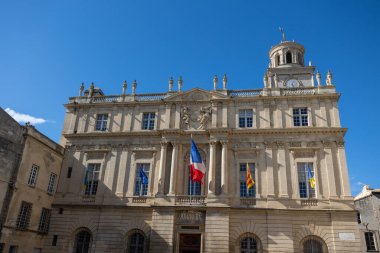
[101, 122]
[136, 243]
[93, 173]
[245, 118]
[148, 120]
[82, 242]
[244, 192]
[24, 215]
[305, 189]
[43, 225]
[141, 189]
[300, 117]
[248, 245]
[370, 241]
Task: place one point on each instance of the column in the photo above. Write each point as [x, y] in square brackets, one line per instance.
[121, 173]
[177, 120]
[167, 115]
[335, 114]
[329, 167]
[270, 175]
[211, 169]
[343, 169]
[266, 115]
[161, 172]
[132, 174]
[282, 175]
[225, 115]
[224, 174]
[173, 169]
[214, 115]
[277, 117]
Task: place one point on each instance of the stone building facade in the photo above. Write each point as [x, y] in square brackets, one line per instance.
[367, 203]
[278, 132]
[29, 170]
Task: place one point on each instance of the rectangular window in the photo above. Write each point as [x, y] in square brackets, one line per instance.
[244, 192]
[101, 122]
[55, 240]
[92, 178]
[305, 189]
[24, 215]
[141, 189]
[43, 226]
[33, 176]
[245, 118]
[148, 120]
[60, 211]
[69, 171]
[194, 188]
[300, 117]
[359, 218]
[13, 249]
[370, 241]
[52, 179]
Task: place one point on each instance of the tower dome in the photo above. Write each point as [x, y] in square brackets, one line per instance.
[287, 54]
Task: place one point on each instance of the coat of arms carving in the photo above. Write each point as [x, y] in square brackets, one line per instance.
[195, 118]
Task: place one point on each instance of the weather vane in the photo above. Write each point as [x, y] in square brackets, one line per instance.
[283, 34]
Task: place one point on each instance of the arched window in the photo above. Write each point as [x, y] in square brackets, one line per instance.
[277, 60]
[299, 58]
[288, 57]
[82, 242]
[136, 242]
[248, 245]
[313, 244]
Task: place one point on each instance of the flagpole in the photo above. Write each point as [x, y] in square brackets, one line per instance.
[190, 181]
[246, 179]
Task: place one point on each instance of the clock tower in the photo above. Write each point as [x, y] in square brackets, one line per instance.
[287, 68]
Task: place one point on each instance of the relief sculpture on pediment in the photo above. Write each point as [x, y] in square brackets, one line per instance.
[195, 117]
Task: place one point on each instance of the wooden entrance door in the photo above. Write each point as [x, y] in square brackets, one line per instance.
[189, 243]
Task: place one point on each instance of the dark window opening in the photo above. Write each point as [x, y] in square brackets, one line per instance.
[82, 242]
[55, 240]
[69, 170]
[288, 57]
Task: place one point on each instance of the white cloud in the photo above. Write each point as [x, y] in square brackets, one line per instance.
[23, 118]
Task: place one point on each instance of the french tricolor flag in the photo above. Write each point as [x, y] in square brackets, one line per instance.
[197, 167]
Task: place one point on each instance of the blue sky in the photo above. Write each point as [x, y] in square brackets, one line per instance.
[47, 48]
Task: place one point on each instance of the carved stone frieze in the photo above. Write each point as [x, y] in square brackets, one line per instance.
[303, 154]
[190, 217]
[295, 144]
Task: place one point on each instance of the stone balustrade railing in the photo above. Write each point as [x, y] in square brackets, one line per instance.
[299, 91]
[190, 200]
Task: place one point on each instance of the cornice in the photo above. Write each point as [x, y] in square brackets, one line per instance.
[225, 131]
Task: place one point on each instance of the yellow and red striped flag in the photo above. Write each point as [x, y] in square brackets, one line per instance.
[250, 181]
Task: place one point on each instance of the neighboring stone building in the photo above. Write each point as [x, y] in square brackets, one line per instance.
[280, 131]
[367, 203]
[30, 165]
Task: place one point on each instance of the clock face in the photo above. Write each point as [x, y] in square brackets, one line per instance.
[292, 83]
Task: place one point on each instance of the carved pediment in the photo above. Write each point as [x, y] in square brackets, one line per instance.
[196, 95]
